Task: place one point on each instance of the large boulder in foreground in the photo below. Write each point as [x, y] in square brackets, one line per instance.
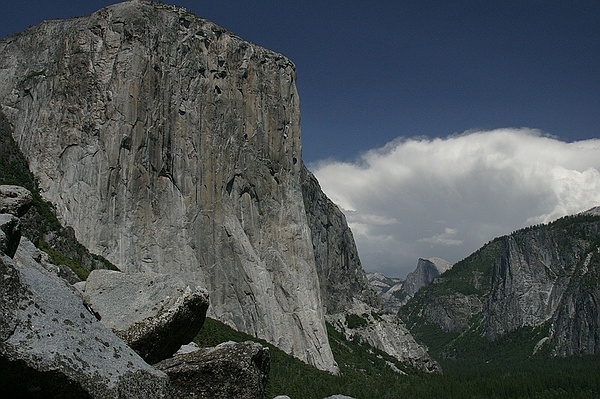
[52, 347]
[229, 370]
[154, 313]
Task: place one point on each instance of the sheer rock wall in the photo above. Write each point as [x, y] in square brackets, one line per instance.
[171, 145]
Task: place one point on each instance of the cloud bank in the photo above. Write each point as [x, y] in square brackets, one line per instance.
[447, 197]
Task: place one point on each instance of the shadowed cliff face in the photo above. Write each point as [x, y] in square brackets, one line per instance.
[171, 145]
[341, 276]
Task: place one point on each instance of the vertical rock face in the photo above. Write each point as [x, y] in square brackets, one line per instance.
[528, 280]
[343, 280]
[171, 145]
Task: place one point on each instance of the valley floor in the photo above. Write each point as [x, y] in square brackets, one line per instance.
[366, 373]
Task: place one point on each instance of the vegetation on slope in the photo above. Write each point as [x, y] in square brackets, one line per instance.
[477, 371]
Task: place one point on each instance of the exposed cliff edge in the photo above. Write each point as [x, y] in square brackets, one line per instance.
[171, 145]
[545, 277]
[426, 271]
[345, 288]
[341, 276]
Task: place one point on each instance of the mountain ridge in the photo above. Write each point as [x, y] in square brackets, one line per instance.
[542, 277]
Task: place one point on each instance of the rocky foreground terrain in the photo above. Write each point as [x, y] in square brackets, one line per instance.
[99, 339]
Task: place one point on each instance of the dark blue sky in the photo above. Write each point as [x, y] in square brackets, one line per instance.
[371, 71]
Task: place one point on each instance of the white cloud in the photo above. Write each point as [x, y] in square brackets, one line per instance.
[447, 197]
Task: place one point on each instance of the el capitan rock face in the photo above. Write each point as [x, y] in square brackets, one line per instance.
[171, 145]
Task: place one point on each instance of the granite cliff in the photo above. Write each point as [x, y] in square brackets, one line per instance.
[170, 145]
[395, 292]
[426, 271]
[544, 277]
[343, 280]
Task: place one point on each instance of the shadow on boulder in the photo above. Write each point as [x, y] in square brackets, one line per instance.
[153, 313]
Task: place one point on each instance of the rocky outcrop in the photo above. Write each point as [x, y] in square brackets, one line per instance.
[171, 145]
[10, 234]
[575, 327]
[396, 292]
[229, 370]
[153, 313]
[528, 280]
[453, 312]
[52, 346]
[43, 259]
[389, 289]
[385, 332]
[15, 200]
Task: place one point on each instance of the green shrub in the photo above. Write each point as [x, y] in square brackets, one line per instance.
[58, 258]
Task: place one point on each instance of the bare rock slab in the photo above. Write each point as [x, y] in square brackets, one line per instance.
[154, 313]
[52, 347]
[229, 370]
[385, 332]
